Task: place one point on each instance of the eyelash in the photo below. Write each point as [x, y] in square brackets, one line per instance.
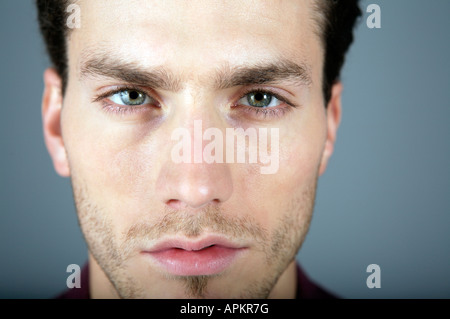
[109, 106]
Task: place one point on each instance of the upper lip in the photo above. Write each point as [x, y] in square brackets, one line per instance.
[193, 245]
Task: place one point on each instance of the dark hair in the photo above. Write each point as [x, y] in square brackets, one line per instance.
[52, 18]
[336, 21]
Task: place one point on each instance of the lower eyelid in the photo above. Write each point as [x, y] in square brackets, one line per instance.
[116, 109]
[273, 112]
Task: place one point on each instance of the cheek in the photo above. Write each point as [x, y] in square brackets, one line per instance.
[300, 159]
[291, 189]
[132, 170]
[115, 162]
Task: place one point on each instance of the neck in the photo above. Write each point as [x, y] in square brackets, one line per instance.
[99, 284]
[286, 286]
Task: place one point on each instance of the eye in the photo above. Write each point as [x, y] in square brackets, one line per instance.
[260, 99]
[130, 97]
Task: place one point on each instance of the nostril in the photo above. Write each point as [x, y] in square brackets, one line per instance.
[175, 204]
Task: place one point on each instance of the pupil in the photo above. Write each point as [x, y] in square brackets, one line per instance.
[133, 95]
[259, 96]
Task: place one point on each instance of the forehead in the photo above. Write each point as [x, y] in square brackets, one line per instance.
[196, 33]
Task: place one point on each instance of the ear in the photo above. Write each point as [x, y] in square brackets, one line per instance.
[51, 118]
[334, 112]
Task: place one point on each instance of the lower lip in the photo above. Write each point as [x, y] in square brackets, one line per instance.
[208, 261]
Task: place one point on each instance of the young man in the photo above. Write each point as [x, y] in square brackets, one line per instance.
[137, 93]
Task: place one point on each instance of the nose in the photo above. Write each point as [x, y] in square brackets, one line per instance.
[193, 184]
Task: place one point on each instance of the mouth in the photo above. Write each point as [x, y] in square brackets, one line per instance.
[209, 256]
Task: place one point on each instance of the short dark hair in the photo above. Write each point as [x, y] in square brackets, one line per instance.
[337, 19]
[52, 17]
[337, 24]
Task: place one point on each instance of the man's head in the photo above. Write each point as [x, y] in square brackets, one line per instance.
[138, 71]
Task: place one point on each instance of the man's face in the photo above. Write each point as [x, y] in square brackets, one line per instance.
[138, 71]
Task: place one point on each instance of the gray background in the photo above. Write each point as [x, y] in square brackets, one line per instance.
[384, 198]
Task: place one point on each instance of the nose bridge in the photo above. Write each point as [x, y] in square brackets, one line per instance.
[195, 174]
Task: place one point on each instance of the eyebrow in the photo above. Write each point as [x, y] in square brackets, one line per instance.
[264, 73]
[129, 72]
[226, 76]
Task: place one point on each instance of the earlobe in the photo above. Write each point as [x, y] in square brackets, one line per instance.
[334, 113]
[51, 119]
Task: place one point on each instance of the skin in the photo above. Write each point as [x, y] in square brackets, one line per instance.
[128, 192]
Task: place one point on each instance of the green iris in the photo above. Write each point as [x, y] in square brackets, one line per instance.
[259, 99]
[131, 97]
